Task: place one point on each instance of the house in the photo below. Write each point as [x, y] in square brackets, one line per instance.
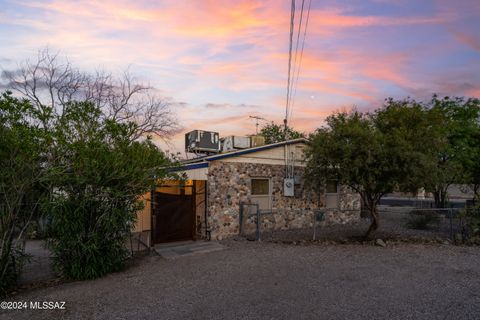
[207, 205]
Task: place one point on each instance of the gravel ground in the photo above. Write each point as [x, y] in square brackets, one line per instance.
[251, 280]
[39, 267]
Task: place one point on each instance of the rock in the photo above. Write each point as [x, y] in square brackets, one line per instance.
[380, 242]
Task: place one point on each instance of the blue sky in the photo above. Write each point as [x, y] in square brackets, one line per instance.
[219, 62]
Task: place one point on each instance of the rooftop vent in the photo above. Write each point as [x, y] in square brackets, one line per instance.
[257, 141]
[234, 143]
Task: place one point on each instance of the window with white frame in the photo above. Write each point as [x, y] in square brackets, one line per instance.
[261, 192]
[331, 194]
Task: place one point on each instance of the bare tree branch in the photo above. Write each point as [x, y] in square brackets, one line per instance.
[50, 83]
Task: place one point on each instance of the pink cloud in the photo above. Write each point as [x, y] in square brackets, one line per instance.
[236, 52]
[468, 39]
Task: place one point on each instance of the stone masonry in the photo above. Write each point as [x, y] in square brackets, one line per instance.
[229, 185]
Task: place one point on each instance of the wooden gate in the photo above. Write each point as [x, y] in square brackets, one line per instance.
[174, 215]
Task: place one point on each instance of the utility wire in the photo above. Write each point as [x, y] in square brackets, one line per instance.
[300, 61]
[290, 106]
[292, 21]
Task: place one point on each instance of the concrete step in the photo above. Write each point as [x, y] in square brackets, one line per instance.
[187, 248]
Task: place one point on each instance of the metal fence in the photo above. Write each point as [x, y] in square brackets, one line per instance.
[250, 212]
[455, 224]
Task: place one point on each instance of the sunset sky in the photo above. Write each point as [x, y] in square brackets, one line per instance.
[222, 61]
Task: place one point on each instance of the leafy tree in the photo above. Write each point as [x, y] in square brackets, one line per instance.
[98, 174]
[353, 151]
[439, 141]
[403, 146]
[276, 133]
[475, 175]
[455, 159]
[21, 175]
[415, 134]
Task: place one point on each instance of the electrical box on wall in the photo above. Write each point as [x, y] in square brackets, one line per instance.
[288, 187]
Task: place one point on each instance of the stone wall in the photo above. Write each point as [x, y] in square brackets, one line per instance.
[229, 185]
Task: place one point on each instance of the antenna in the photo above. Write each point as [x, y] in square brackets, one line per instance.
[257, 118]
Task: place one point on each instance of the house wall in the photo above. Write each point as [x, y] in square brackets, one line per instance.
[142, 230]
[229, 185]
[143, 222]
[274, 156]
[200, 203]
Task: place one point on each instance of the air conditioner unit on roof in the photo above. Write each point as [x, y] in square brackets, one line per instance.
[202, 141]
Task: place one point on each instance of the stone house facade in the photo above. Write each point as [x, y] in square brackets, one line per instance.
[252, 178]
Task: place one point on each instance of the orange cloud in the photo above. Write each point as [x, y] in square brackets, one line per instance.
[236, 52]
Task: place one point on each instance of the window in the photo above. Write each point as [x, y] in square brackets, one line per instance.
[331, 194]
[332, 186]
[260, 187]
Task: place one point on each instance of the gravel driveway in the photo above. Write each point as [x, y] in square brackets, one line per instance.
[252, 280]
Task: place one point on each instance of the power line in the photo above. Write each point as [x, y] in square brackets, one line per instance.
[301, 57]
[292, 21]
[290, 105]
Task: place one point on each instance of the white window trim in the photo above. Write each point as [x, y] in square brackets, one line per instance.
[270, 190]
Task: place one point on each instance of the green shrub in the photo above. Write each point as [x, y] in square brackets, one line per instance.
[21, 150]
[98, 174]
[14, 261]
[89, 237]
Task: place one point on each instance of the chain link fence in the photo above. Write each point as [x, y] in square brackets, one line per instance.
[253, 222]
[403, 223]
[456, 224]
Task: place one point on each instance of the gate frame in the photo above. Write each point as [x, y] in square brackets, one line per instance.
[152, 207]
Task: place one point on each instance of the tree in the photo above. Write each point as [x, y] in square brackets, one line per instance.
[351, 150]
[22, 149]
[455, 159]
[99, 174]
[439, 141]
[50, 83]
[415, 134]
[276, 133]
[373, 153]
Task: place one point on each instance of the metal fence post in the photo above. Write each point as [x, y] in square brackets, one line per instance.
[258, 222]
[318, 216]
[241, 219]
[450, 212]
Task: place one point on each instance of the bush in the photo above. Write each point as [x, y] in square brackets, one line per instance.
[89, 237]
[14, 262]
[423, 220]
[99, 174]
[21, 149]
